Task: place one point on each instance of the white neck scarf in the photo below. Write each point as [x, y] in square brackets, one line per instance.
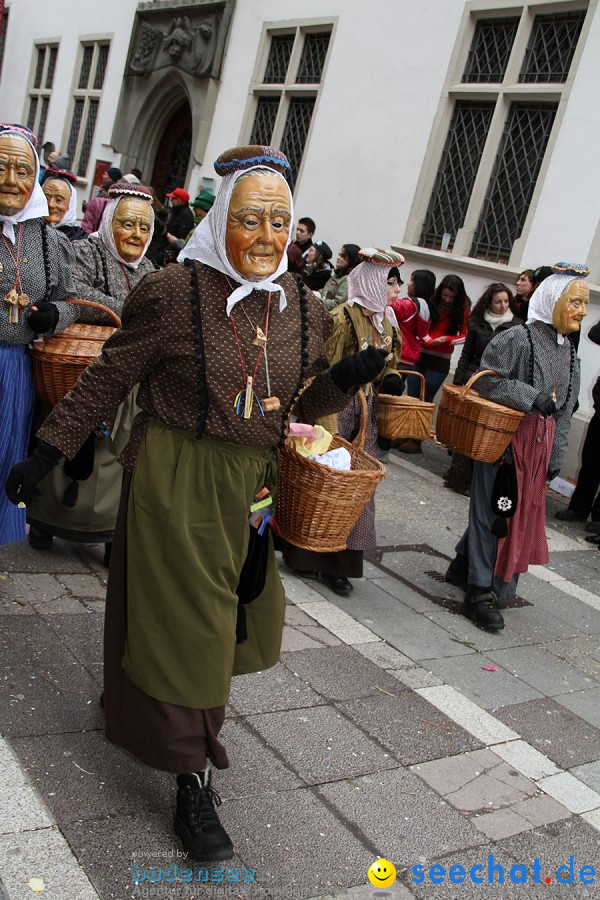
[36, 206]
[367, 287]
[546, 296]
[207, 243]
[70, 217]
[105, 231]
[496, 320]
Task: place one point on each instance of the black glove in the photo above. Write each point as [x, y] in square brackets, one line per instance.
[358, 368]
[545, 404]
[22, 479]
[552, 473]
[44, 319]
[392, 384]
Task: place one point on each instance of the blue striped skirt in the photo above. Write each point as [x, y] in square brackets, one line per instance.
[16, 411]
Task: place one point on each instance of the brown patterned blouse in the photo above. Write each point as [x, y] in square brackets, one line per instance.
[179, 345]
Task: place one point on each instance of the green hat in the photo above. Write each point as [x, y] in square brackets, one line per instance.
[204, 200]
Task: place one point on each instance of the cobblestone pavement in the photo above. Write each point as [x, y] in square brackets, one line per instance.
[391, 727]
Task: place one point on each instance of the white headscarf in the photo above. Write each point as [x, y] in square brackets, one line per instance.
[367, 287]
[36, 206]
[207, 243]
[70, 217]
[105, 231]
[546, 296]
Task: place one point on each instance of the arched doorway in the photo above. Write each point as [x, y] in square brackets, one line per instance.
[173, 155]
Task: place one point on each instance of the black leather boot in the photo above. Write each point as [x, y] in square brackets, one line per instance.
[457, 572]
[196, 821]
[481, 607]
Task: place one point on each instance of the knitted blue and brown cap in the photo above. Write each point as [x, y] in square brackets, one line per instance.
[239, 158]
[21, 130]
[60, 174]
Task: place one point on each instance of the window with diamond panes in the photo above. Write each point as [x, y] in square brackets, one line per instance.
[457, 170]
[278, 61]
[86, 102]
[295, 133]
[551, 47]
[264, 120]
[511, 186]
[490, 50]
[40, 89]
[313, 56]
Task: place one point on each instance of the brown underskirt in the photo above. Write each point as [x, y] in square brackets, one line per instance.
[162, 735]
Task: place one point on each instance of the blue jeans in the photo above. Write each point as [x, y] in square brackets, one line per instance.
[433, 381]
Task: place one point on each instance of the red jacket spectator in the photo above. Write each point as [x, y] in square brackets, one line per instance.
[413, 321]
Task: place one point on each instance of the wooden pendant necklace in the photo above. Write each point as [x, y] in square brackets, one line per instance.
[17, 300]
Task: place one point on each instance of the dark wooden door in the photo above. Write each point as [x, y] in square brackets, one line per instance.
[173, 155]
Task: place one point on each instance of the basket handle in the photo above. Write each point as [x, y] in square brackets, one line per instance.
[78, 301]
[414, 372]
[475, 377]
[359, 440]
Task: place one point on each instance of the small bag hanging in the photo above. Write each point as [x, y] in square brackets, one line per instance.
[505, 494]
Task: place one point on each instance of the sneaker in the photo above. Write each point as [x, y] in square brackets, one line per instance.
[481, 607]
[196, 821]
[569, 515]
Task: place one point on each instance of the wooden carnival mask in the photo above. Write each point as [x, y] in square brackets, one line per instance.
[17, 174]
[131, 227]
[258, 225]
[571, 308]
[58, 195]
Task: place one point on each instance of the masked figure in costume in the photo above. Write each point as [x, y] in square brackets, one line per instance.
[538, 373]
[80, 498]
[365, 320]
[194, 596]
[58, 186]
[36, 265]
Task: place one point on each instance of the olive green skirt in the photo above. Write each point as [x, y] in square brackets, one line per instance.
[187, 540]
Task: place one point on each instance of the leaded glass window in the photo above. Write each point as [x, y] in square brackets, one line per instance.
[86, 104]
[51, 67]
[86, 66]
[551, 47]
[511, 186]
[101, 67]
[75, 126]
[39, 92]
[88, 136]
[39, 67]
[490, 50]
[43, 116]
[280, 52]
[264, 120]
[313, 56]
[457, 171]
[33, 105]
[295, 133]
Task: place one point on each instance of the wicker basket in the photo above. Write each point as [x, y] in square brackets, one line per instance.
[474, 426]
[317, 507]
[405, 417]
[59, 359]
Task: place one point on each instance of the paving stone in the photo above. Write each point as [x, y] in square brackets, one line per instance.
[488, 689]
[384, 656]
[66, 605]
[541, 810]
[415, 677]
[581, 652]
[584, 703]
[564, 737]
[295, 616]
[501, 823]
[336, 620]
[320, 744]
[589, 774]
[20, 806]
[525, 759]
[468, 715]
[42, 854]
[274, 689]
[320, 635]
[430, 735]
[571, 792]
[11, 607]
[29, 641]
[84, 585]
[293, 639]
[20, 557]
[421, 824]
[47, 699]
[492, 790]
[82, 635]
[542, 671]
[339, 673]
[31, 588]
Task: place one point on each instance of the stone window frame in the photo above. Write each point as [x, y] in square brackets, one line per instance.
[73, 144]
[503, 94]
[289, 89]
[37, 100]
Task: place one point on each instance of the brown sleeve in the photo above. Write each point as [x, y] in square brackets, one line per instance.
[126, 359]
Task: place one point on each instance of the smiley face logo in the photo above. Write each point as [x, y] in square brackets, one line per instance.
[381, 873]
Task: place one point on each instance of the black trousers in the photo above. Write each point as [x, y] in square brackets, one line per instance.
[588, 480]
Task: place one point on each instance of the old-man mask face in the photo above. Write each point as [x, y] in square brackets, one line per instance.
[258, 224]
[131, 227]
[17, 174]
[571, 307]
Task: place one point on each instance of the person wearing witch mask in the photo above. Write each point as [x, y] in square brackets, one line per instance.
[538, 373]
[79, 500]
[36, 265]
[58, 186]
[221, 347]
